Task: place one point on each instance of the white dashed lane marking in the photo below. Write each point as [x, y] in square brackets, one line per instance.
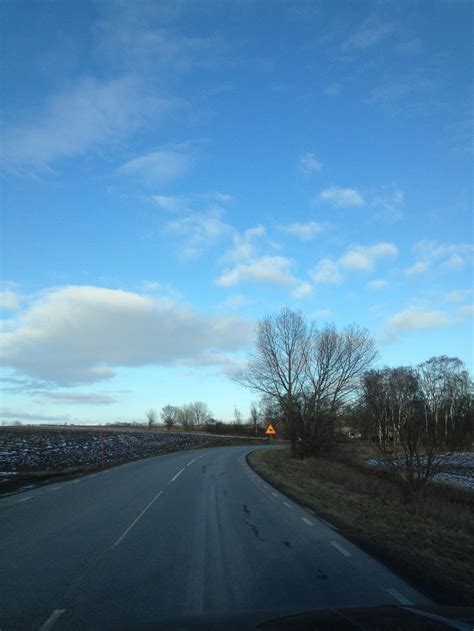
[24, 499]
[287, 505]
[400, 597]
[275, 494]
[178, 474]
[307, 521]
[191, 462]
[51, 620]
[125, 532]
[341, 549]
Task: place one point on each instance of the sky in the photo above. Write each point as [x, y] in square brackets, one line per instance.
[172, 172]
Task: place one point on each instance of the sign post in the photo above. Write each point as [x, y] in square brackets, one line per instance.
[270, 431]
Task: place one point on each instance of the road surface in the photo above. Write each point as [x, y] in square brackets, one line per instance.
[186, 534]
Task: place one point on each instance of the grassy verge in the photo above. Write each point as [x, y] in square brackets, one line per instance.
[429, 552]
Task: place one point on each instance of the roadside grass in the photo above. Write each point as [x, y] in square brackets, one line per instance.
[431, 545]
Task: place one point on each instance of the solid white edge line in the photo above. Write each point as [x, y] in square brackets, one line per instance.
[307, 521]
[178, 474]
[287, 505]
[190, 463]
[125, 533]
[400, 597]
[51, 620]
[341, 549]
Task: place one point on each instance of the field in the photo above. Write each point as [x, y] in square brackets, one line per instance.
[31, 455]
[430, 542]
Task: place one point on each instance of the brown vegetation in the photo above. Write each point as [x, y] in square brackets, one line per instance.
[430, 542]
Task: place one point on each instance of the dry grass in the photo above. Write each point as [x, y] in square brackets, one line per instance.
[431, 545]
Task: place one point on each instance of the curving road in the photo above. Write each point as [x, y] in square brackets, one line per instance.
[187, 534]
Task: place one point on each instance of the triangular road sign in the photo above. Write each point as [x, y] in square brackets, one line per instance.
[270, 431]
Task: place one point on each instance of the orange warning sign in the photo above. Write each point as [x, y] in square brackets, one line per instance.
[270, 431]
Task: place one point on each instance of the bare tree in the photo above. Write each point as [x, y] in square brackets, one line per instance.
[186, 417]
[200, 411]
[237, 416]
[169, 415]
[254, 417]
[405, 405]
[151, 416]
[311, 374]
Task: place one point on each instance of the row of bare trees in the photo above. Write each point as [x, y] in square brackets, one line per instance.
[419, 416]
[308, 374]
[313, 381]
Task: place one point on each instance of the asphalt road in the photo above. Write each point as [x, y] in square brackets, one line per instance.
[187, 534]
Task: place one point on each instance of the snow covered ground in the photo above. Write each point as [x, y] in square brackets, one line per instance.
[456, 469]
[29, 450]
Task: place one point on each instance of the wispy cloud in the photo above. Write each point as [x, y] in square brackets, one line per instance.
[333, 89]
[275, 270]
[363, 258]
[368, 34]
[436, 256]
[304, 231]
[414, 319]
[377, 285]
[388, 202]
[342, 197]
[326, 272]
[308, 164]
[303, 290]
[161, 166]
[79, 398]
[22, 415]
[197, 231]
[81, 119]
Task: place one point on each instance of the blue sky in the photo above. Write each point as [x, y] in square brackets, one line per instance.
[172, 172]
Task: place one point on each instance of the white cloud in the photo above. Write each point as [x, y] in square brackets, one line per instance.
[245, 245]
[368, 34]
[304, 231]
[185, 203]
[376, 285]
[80, 334]
[198, 231]
[389, 202]
[21, 415]
[342, 197]
[79, 398]
[266, 269]
[363, 258]
[413, 319]
[308, 164]
[321, 313]
[357, 258]
[458, 295]
[303, 290]
[9, 300]
[161, 166]
[235, 301]
[171, 203]
[420, 267]
[326, 272]
[443, 256]
[333, 89]
[83, 118]
[466, 311]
